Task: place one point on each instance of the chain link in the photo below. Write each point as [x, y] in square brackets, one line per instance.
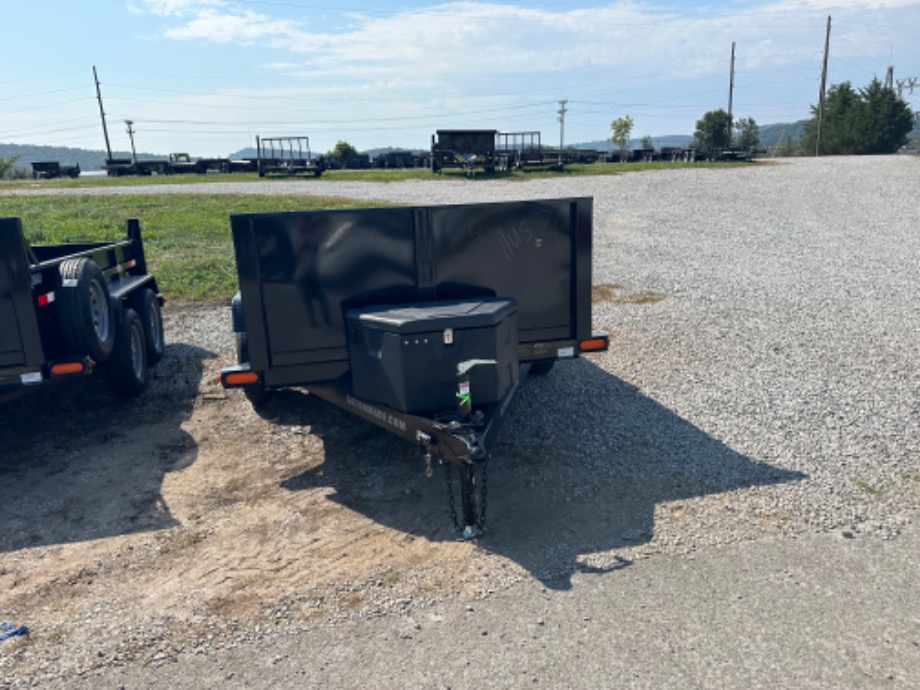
[483, 495]
[448, 473]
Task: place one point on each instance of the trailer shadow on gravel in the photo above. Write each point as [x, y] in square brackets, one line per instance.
[582, 462]
[79, 464]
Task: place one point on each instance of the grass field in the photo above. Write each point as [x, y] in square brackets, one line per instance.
[186, 236]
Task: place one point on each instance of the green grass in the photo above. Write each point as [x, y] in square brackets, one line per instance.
[186, 236]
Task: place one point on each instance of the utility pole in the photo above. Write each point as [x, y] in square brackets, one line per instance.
[910, 84]
[827, 43]
[562, 111]
[889, 77]
[105, 130]
[731, 91]
[131, 134]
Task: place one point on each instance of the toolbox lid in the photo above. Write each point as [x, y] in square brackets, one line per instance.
[433, 316]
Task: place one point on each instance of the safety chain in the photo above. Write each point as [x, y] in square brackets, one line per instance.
[448, 473]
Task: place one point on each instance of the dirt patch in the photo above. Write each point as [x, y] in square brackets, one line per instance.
[182, 518]
[617, 294]
[185, 522]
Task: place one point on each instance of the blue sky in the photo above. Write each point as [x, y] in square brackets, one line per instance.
[207, 76]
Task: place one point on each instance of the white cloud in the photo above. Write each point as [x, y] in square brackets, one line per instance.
[244, 28]
[177, 8]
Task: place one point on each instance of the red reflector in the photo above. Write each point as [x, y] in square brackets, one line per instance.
[45, 300]
[65, 368]
[241, 378]
[593, 345]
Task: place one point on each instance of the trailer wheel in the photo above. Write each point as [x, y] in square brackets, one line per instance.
[148, 309]
[257, 394]
[85, 311]
[542, 367]
[126, 369]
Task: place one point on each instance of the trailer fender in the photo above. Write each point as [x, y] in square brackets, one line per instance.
[236, 311]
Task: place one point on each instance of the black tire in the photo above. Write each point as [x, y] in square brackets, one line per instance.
[256, 393]
[126, 369]
[542, 367]
[148, 309]
[85, 310]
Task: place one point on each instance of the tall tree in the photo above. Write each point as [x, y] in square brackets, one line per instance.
[621, 129]
[7, 166]
[714, 130]
[885, 120]
[873, 120]
[343, 150]
[748, 133]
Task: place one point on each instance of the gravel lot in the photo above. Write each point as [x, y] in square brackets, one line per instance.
[763, 382]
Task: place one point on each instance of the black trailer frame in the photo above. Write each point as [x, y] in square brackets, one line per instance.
[287, 156]
[299, 273]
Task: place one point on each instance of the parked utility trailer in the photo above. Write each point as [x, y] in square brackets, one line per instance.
[287, 156]
[66, 308]
[464, 148]
[49, 170]
[421, 320]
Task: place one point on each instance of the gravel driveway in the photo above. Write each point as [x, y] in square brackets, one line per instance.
[763, 381]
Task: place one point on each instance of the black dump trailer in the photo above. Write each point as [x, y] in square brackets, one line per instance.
[421, 320]
[464, 148]
[49, 170]
[66, 308]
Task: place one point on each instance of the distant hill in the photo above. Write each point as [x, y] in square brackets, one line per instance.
[249, 153]
[87, 159]
[770, 135]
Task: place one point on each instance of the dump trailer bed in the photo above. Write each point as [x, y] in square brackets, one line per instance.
[65, 308]
[367, 307]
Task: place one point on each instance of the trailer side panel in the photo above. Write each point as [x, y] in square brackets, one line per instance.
[300, 272]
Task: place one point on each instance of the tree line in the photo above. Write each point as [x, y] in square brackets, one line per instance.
[871, 120]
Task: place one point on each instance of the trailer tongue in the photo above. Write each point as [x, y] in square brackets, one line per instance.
[421, 320]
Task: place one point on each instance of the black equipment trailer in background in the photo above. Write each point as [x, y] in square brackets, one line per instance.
[49, 170]
[421, 320]
[65, 308]
[464, 148]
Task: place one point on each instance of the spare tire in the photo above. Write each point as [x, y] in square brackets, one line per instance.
[84, 309]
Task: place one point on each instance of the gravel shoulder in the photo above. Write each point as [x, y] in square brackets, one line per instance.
[763, 386]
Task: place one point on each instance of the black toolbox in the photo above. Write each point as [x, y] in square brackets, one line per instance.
[406, 356]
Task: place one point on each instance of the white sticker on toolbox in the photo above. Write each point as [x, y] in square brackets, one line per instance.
[563, 352]
[31, 377]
